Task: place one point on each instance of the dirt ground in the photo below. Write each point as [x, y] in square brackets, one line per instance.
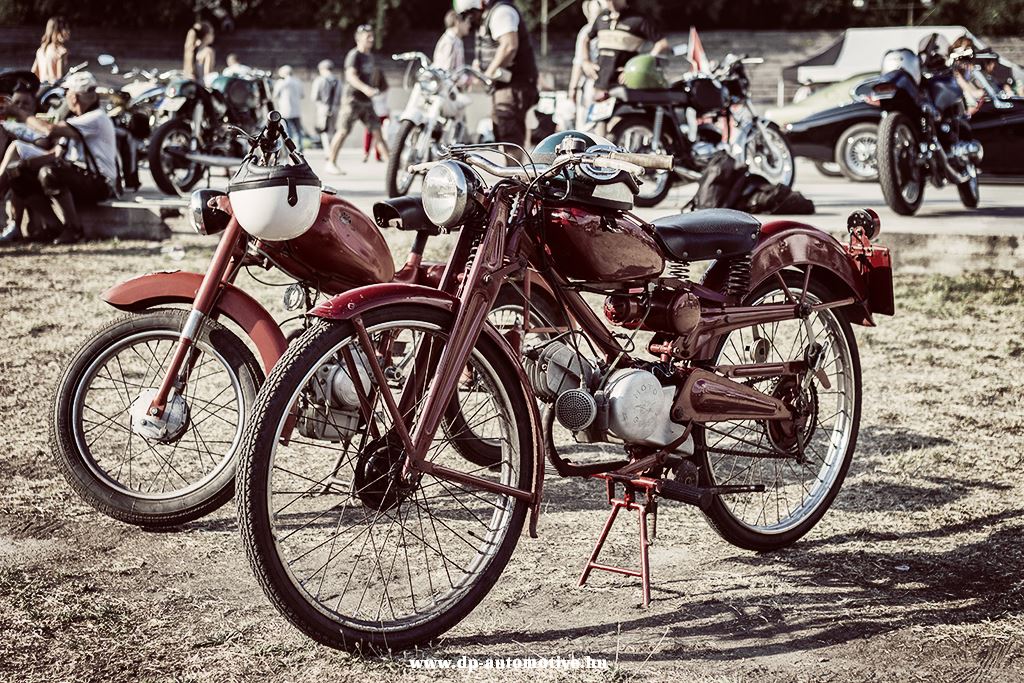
[914, 574]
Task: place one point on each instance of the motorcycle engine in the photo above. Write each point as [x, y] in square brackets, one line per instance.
[629, 403]
[331, 412]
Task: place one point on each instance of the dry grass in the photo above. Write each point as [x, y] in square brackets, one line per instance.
[914, 574]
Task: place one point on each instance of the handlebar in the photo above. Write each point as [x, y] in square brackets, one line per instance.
[411, 56]
[654, 162]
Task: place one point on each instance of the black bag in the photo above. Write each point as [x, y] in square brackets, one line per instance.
[727, 184]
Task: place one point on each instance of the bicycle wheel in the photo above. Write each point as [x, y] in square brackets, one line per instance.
[352, 554]
[801, 462]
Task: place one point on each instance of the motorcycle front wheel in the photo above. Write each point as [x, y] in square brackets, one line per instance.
[134, 478]
[352, 553]
[635, 134]
[404, 154]
[801, 462]
[172, 174]
[899, 174]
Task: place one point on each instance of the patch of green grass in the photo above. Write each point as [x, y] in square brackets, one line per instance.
[950, 296]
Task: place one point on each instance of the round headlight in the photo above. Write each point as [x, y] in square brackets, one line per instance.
[429, 84]
[446, 193]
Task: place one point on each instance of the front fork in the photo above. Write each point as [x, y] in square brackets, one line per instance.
[222, 270]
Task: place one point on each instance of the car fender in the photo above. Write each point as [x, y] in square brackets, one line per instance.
[180, 287]
[357, 302]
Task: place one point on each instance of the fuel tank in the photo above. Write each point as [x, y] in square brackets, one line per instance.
[343, 250]
[601, 246]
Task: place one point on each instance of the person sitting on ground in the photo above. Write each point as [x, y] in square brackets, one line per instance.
[22, 98]
[85, 175]
[288, 95]
[357, 102]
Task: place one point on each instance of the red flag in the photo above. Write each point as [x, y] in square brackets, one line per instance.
[698, 60]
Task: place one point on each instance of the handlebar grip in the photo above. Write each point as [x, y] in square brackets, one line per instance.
[659, 162]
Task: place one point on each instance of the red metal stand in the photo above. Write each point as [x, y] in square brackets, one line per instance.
[628, 502]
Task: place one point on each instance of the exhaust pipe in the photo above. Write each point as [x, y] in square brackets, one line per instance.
[707, 397]
[971, 151]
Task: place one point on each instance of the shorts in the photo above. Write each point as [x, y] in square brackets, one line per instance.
[509, 115]
[357, 110]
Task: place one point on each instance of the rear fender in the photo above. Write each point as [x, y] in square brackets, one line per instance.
[791, 245]
[180, 287]
[357, 302]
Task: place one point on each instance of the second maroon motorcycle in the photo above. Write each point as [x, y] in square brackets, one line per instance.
[746, 404]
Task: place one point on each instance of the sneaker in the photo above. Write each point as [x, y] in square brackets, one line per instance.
[331, 169]
[11, 233]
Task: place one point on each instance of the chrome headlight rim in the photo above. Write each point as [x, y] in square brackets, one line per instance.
[450, 178]
[205, 219]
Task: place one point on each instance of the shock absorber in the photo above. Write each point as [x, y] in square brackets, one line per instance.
[738, 281]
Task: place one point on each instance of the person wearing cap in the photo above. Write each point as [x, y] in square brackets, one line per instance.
[326, 92]
[357, 102]
[506, 57]
[86, 174]
[288, 94]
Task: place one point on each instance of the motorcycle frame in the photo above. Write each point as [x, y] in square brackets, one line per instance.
[487, 258]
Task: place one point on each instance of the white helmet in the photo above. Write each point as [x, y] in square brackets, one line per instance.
[461, 6]
[275, 203]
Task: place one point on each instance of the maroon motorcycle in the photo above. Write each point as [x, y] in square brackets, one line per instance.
[745, 406]
[149, 412]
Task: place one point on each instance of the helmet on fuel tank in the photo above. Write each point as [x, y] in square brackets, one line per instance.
[608, 188]
[277, 202]
[644, 73]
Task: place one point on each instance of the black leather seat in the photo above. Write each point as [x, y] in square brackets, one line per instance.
[707, 234]
[404, 213]
[652, 97]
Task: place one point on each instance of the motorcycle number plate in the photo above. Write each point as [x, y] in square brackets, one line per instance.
[172, 104]
[601, 111]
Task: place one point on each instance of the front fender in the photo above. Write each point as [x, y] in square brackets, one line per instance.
[788, 244]
[180, 287]
[357, 302]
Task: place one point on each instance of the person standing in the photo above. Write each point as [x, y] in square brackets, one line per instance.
[357, 102]
[506, 57]
[288, 95]
[450, 51]
[200, 57]
[326, 98]
[620, 33]
[581, 85]
[383, 112]
[52, 55]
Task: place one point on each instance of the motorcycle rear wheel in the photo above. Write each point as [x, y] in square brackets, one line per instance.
[323, 523]
[172, 176]
[131, 478]
[902, 180]
[802, 469]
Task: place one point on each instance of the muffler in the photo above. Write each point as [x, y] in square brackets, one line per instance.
[707, 397]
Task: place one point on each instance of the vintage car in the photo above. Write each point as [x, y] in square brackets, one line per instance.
[847, 135]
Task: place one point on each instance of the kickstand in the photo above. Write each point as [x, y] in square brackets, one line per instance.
[627, 502]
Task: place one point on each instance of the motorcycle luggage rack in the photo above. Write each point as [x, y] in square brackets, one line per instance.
[650, 489]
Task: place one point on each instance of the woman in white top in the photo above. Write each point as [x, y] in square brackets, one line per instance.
[52, 55]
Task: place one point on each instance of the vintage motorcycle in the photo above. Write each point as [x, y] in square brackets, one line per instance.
[925, 133]
[747, 407]
[202, 127]
[433, 120]
[692, 119]
[164, 469]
